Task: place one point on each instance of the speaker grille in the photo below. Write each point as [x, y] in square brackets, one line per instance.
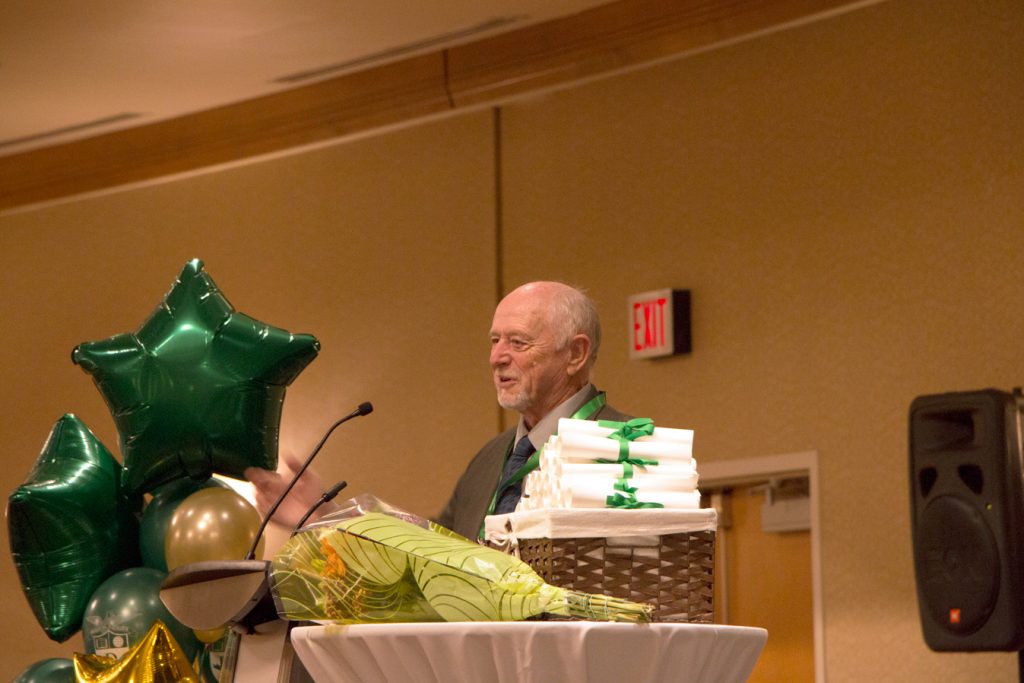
[959, 562]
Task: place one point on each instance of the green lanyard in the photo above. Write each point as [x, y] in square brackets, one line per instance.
[587, 411]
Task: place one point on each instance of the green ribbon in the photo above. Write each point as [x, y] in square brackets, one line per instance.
[629, 430]
[624, 497]
[623, 485]
[624, 433]
[628, 502]
[639, 462]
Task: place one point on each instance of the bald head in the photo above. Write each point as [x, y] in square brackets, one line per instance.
[544, 341]
[568, 310]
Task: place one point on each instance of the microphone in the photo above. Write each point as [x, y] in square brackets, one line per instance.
[362, 409]
[329, 495]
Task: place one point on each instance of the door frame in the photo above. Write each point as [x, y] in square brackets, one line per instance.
[721, 473]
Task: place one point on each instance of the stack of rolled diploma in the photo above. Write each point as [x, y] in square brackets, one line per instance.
[570, 474]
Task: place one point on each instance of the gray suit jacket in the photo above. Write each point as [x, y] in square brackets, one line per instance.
[468, 505]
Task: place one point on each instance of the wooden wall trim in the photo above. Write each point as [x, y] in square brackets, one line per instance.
[603, 40]
[405, 90]
[612, 38]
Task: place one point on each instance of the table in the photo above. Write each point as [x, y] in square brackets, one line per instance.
[529, 652]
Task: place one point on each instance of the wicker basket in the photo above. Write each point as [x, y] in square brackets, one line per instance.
[674, 572]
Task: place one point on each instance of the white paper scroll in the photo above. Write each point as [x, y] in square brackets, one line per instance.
[590, 492]
[587, 448]
[583, 497]
[675, 477]
[571, 426]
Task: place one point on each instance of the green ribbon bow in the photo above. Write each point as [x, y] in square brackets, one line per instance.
[629, 430]
[623, 485]
[624, 433]
[625, 497]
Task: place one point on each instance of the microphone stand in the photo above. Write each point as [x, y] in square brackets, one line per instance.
[363, 409]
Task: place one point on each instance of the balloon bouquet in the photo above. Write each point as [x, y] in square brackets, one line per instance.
[196, 390]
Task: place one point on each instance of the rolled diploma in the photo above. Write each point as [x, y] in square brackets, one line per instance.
[594, 494]
[531, 491]
[688, 500]
[616, 470]
[550, 457]
[542, 489]
[552, 463]
[592, 428]
[584, 448]
[640, 481]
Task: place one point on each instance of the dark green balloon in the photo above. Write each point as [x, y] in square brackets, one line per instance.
[157, 517]
[198, 388]
[70, 526]
[48, 671]
[123, 609]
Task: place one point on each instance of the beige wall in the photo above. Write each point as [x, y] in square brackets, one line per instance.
[846, 202]
[844, 199]
[382, 248]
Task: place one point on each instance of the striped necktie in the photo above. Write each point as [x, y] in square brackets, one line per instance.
[511, 493]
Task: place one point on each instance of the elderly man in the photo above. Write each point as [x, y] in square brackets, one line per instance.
[544, 342]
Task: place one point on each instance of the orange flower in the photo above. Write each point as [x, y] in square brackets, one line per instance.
[334, 565]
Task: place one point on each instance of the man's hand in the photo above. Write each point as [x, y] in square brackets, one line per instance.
[270, 485]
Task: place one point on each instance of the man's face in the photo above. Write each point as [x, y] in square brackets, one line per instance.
[529, 369]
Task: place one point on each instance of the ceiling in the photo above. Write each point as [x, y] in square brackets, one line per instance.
[73, 69]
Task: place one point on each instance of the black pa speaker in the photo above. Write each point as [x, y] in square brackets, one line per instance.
[967, 516]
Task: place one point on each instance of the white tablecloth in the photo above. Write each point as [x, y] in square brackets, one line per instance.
[529, 652]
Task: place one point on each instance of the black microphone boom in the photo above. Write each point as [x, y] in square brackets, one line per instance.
[363, 409]
[329, 495]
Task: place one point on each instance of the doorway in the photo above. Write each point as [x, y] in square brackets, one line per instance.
[767, 558]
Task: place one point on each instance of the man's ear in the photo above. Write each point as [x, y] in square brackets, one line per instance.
[579, 354]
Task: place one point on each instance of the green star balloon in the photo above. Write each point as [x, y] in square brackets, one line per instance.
[70, 526]
[198, 388]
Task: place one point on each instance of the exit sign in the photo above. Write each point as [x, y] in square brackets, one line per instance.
[659, 323]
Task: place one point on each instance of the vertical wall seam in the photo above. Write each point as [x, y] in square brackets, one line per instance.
[447, 78]
[499, 232]
[499, 236]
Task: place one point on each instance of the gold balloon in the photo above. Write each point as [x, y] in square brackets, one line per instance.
[157, 658]
[211, 635]
[210, 524]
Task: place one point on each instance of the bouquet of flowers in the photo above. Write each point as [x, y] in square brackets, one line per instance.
[372, 563]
